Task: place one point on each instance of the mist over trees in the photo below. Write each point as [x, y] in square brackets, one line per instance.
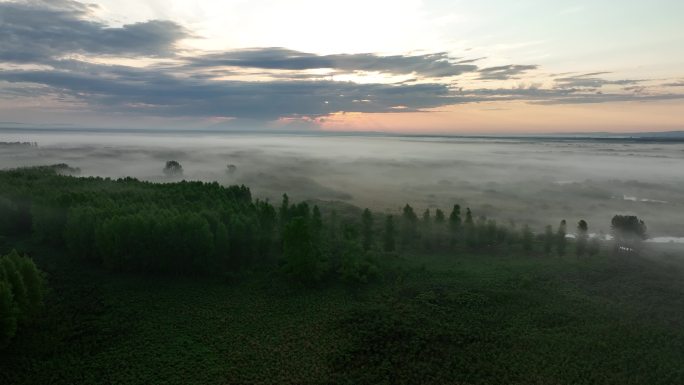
[205, 228]
[628, 231]
[173, 168]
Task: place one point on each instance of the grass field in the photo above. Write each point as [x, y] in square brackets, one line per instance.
[431, 319]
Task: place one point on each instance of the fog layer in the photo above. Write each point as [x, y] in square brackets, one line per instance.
[534, 181]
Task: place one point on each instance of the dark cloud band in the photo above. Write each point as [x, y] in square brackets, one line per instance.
[39, 38]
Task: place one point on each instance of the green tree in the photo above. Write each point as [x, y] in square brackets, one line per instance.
[8, 314]
[16, 282]
[455, 224]
[79, 232]
[173, 168]
[389, 234]
[334, 244]
[409, 233]
[367, 229]
[561, 242]
[21, 293]
[33, 282]
[469, 217]
[284, 212]
[299, 252]
[455, 219]
[582, 238]
[469, 230]
[439, 217]
[427, 217]
[628, 231]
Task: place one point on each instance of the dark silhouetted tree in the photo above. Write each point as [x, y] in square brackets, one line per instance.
[427, 217]
[455, 219]
[582, 238]
[21, 293]
[367, 229]
[455, 225]
[389, 234]
[8, 314]
[284, 212]
[469, 230]
[299, 252]
[629, 232]
[439, 217]
[173, 168]
[561, 242]
[409, 226]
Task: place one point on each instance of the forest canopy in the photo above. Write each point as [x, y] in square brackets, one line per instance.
[206, 228]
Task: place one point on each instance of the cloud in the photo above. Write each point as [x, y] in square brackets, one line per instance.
[591, 81]
[428, 65]
[506, 72]
[154, 92]
[36, 31]
[161, 92]
[39, 40]
[561, 96]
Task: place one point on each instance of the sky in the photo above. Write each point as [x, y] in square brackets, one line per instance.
[434, 67]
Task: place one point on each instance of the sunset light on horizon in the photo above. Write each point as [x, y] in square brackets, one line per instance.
[447, 67]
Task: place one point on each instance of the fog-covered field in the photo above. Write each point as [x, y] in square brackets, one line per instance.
[524, 180]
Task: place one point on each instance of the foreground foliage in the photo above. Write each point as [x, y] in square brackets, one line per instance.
[440, 298]
[192, 228]
[21, 293]
[470, 320]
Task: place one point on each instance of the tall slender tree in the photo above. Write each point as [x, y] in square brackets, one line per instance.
[409, 229]
[367, 229]
[561, 242]
[427, 217]
[582, 238]
[455, 224]
[389, 234]
[439, 217]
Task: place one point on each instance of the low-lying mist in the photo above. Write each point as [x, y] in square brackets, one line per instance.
[526, 180]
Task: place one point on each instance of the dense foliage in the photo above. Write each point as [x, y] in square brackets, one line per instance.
[21, 293]
[448, 296]
[197, 228]
[474, 319]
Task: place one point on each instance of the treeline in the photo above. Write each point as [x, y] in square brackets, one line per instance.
[199, 228]
[458, 231]
[126, 224]
[21, 293]
[18, 144]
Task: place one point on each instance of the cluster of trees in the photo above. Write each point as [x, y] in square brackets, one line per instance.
[21, 293]
[314, 250]
[437, 231]
[173, 168]
[126, 224]
[18, 144]
[628, 231]
[196, 227]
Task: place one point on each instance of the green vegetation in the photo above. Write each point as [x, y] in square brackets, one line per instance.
[196, 228]
[194, 283]
[21, 293]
